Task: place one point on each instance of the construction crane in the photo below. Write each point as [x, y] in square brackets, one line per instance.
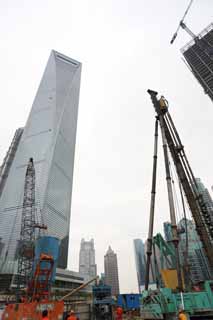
[164, 302]
[202, 43]
[27, 234]
[201, 214]
[183, 25]
[28, 227]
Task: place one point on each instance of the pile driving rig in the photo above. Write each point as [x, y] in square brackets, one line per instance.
[165, 301]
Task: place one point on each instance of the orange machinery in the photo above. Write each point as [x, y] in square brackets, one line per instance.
[37, 296]
[33, 310]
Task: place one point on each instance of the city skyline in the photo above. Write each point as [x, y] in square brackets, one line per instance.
[49, 133]
[114, 149]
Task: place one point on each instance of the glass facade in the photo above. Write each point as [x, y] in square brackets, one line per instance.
[198, 264]
[167, 227]
[206, 196]
[140, 262]
[49, 138]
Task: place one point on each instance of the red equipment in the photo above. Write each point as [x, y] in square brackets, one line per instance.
[37, 296]
[39, 285]
[33, 310]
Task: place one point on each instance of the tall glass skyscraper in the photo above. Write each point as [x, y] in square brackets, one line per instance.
[206, 196]
[190, 246]
[140, 262]
[167, 227]
[198, 263]
[49, 138]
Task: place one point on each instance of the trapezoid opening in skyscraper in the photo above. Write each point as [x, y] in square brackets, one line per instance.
[49, 138]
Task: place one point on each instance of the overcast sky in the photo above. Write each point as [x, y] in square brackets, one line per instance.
[124, 48]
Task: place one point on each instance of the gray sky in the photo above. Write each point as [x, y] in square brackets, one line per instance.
[124, 47]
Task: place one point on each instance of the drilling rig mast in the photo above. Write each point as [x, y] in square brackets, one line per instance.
[27, 234]
[175, 291]
[200, 213]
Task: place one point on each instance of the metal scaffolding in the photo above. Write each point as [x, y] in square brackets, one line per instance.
[27, 235]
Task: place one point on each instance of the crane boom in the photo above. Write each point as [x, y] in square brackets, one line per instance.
[27, 234]
[200, 212]
[182, 24]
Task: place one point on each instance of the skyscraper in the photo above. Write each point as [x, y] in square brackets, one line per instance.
[206, 196]
[87, 266]
[167, 231]
[197, 261]
[49, 138]
[111, 271]
[8, 159]
[198, 264]
[198, 54]
[139, 262]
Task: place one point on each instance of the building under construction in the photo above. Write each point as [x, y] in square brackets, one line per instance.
[198, 54]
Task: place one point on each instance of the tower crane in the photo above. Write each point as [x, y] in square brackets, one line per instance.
[27, 234]
[28, 226]
[201, 42]
[183, 25]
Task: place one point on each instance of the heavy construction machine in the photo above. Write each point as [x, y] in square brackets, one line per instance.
[37, 263]
[34, 276]
[164, 302]
[37, 296]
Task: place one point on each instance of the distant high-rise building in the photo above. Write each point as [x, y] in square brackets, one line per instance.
[8, 159]
[87, 266]
[198, 54]
[102, 278]
[167, 231]
[139, 262]
[111, 271]
[49, 138]
[206, 196]
[198, 263]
